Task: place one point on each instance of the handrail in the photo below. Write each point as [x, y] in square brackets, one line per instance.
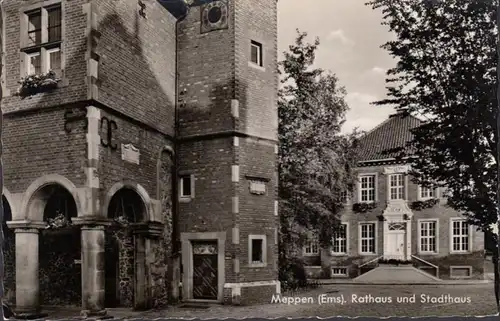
[375, 259]
[424, 261]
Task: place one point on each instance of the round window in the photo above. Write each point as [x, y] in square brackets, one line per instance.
[214, 14]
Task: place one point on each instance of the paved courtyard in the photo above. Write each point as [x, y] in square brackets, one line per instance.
[359, 300]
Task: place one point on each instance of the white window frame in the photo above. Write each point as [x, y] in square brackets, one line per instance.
[183, 197]
[360, 238]
[252, 237]
[260, 55]
[399, 189]
[44, 48]
[30, 55]
[436, 236]
[470, 227]
[333, 274]
[421, 189]
[456, 267]
[310, 242]
[346, 224]
[375, 187]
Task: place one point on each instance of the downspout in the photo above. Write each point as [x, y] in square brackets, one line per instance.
[173, 260]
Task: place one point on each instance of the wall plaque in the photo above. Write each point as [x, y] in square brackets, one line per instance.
[257, 187]
[397, 169]
[130, 153]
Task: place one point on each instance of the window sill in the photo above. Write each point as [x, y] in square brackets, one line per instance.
[338, 254]
[257, 265]
[460, 252]
[255, 66]
[311, 254]
[185, 199]
[427, 253]
[367, 254]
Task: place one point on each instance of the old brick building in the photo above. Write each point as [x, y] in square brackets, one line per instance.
[390, 219]
[101, 99]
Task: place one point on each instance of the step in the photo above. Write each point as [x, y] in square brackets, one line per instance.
[393, 273]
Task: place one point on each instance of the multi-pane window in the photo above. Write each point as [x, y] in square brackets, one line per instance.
[339, 242]
[42, 40]
[427, 192]
[460, 236]
[397, 187]
[428, 235]
[311, 247]
[367, 188]
[367, 238]
[256, 53]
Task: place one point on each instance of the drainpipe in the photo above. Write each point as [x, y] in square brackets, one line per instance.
[174, 259]
[1, 178]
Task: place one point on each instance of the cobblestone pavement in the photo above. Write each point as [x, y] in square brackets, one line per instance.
[480, 302]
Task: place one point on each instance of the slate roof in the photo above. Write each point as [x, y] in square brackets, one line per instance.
[392, 133]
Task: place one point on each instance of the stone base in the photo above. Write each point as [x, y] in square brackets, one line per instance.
[250, 292]
[95, 315]
[30, 315]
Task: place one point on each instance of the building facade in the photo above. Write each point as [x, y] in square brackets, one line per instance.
[390, 219]
[134, 126]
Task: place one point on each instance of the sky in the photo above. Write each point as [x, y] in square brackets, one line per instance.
[351, 35]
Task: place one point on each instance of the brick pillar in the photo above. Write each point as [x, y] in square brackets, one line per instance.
[93, 270]
[27, 282]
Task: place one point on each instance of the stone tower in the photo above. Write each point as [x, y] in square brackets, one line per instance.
[227, 136]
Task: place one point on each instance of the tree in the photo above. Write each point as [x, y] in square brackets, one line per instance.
[315, 161]
[446, 72]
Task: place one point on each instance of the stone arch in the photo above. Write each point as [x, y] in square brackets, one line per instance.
[140, 190]
[10, 201]
[32, 199]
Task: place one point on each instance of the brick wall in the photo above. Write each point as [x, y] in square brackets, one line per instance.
[73, 87]
[444, 259]
[256, 88]
[137, 61]
[206, 74]
[256, 212]
[36, 144]
[114, 169]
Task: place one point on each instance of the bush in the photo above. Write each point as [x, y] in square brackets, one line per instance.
[292, 274]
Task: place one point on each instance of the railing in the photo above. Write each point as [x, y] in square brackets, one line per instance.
[428, 263]
[371, 261]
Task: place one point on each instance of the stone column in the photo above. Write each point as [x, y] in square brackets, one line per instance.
[93, 270]
[27, 281]
[140, 297]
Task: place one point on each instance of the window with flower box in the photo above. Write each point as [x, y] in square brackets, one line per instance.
[41, 40]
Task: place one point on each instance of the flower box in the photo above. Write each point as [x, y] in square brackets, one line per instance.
[34, 84]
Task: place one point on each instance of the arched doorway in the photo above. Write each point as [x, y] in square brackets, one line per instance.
[9, 252]
[59, 249]
[124, 249]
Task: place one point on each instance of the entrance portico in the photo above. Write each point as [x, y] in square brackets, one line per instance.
[397, 231]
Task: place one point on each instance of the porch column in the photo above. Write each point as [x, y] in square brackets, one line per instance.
[408, 238]
[93, 270]
[27, 282]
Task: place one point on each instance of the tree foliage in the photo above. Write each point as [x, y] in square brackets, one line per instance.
[315, 160]
[446, 72]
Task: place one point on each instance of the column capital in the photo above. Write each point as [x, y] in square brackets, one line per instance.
[27, 226]
[92, 221]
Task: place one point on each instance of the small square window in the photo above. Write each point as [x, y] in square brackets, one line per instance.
[256, 53]
[186, 186]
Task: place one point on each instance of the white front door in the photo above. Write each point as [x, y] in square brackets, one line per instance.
[395, 245]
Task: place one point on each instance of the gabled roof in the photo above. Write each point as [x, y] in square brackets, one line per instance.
[392, 133]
